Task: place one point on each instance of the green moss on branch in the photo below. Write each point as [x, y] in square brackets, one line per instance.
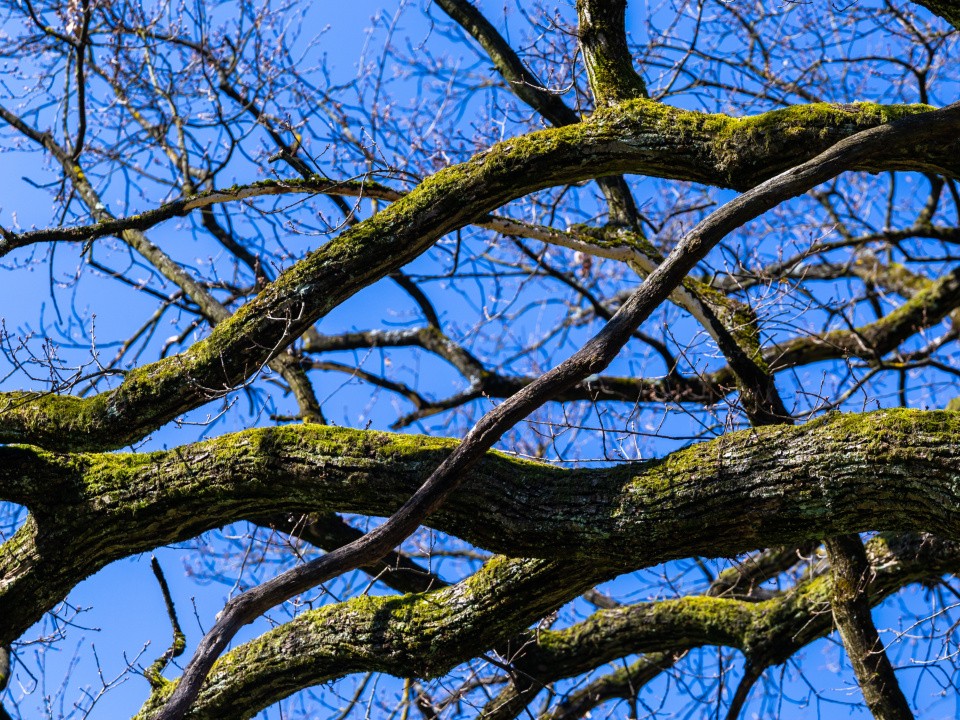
[757, 488]
[425, 635]
[635, 137]
[419, 635]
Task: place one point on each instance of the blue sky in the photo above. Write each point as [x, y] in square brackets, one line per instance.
[124, 599]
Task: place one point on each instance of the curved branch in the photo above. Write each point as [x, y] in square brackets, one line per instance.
[767, 632]
[595, 355]
[757, 488]
[420, 635]
[636, 137]
[427, 634]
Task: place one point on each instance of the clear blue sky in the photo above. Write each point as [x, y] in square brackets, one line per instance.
[124, 599]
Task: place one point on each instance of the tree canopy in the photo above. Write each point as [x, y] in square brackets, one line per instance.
[543, 359]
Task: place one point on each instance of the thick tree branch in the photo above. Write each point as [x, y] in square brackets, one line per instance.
[757, 488]
[428, 633]
[633, 138]
[591, 358]
[767, 632]
[406, 635]
[850, 601]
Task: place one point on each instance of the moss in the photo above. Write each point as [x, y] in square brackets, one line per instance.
[636, 136]
[772, 636]
[713, 616]
[877, 431]
[161, 692]
[735, 144]
[615, 238]
[814, 122]
[403, 626]
[915, 310]
[880, 433]
[612, 82]
[17, 549]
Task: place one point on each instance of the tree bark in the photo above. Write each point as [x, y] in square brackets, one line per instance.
[851, 613]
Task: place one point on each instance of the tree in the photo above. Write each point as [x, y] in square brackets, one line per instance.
[678, 306]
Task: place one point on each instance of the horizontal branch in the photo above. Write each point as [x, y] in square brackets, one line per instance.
[181, 207]
[483, 382]
[425, 635]
[757, 488]
[769, 633]
[929, 302]
[871, 341]
[415, 635]
[714, 149]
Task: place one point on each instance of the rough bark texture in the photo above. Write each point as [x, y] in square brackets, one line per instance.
[850, 602]
[756, 488]
[603, 39]
[774, 490]
[427, 634]
[638, 137]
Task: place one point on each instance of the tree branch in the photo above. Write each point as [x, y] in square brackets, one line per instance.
[851, 612]
[329, 532]
[603, 39]
[591, 358]
[762, 487]
[426, 634]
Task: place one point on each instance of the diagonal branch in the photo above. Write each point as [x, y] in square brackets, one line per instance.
[850, 601]
[526, 86]
[426, 634]
[620, 140]
[593, 357]
[329, 531]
